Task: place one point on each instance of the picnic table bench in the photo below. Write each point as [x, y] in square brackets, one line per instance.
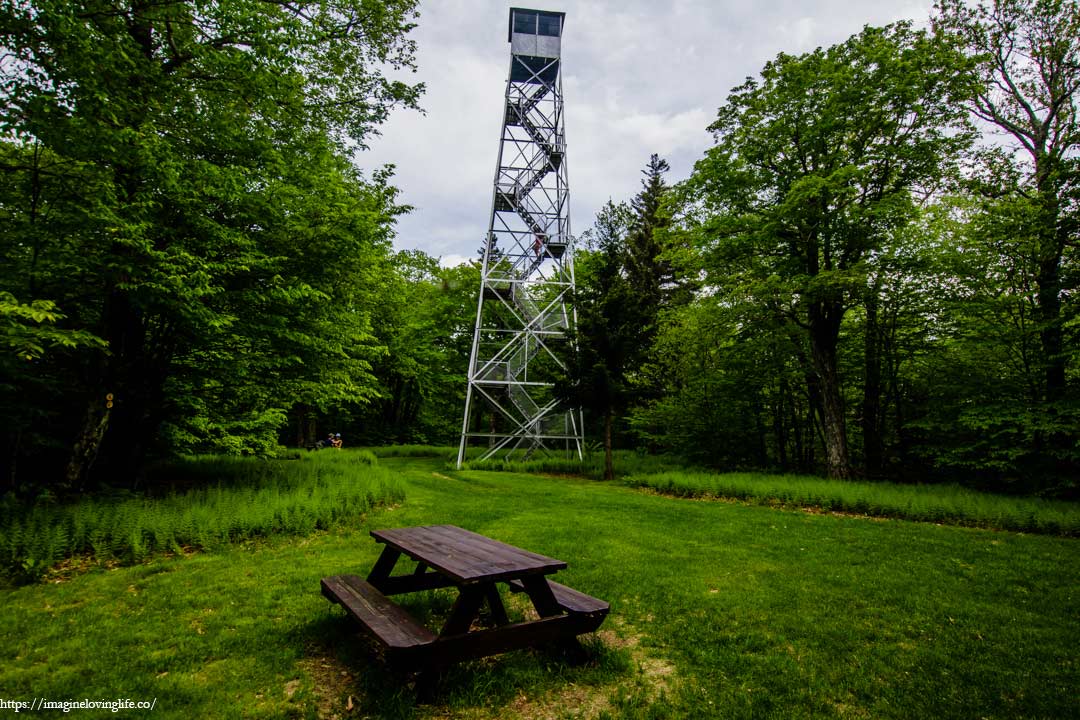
[449, 556]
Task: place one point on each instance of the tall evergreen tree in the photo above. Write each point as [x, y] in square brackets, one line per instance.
[645, 268]
[611, 314]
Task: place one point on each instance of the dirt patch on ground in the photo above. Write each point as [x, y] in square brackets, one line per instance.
[814, 510]
[574, 701]
[656, 675]
[338, 696]
[331, 681]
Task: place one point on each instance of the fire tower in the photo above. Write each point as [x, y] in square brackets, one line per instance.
[524, 311]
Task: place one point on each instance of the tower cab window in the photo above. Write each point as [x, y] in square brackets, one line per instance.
[525, 22]
[549, 25]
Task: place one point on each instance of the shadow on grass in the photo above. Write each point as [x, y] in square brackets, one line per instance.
[347, 676]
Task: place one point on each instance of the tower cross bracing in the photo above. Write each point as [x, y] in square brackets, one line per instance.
[524, 310]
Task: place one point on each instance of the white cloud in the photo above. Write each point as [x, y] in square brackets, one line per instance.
[662, 132]
[639, 77]
[447, 261]
[800, 36]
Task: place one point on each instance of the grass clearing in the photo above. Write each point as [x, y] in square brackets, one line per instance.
[723, 610]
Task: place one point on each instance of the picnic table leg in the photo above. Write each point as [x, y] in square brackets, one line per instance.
[427, 684]
[495, 605]
[465, 610]
[543, 599]
[383, 567]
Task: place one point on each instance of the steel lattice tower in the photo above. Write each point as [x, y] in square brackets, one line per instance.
[524, 311]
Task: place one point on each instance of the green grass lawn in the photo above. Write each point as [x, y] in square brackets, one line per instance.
[718, 610]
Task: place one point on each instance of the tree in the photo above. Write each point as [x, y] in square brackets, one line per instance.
[816, 166]
[973, 404]
[302, 325]
[645, 267]
[193, 208]
[426, 323]
[726, 398]
[607, 347]
[1028, 184]
[1028, 60]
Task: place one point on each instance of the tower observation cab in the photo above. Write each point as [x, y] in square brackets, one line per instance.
[524, 313]
[536, 43]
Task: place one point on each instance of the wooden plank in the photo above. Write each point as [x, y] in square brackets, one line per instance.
[450, 557]
[494, 547]
[439, 537]
[399, 584]
[478, 557]
[495, 605]
[466, 556]
[575, 601]
[387, 623]
[419, 545]
[463, 557]
[481, 643]
[495, 553]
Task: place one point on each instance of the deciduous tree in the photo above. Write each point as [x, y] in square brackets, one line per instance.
[209, 240]
[816, 165]
[1028, 60]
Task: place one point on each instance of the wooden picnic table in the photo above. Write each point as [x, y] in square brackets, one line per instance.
[449, 556]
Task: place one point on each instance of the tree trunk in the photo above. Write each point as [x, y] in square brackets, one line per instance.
[87, 444]
[804, 431]
[824, 333]
[808, 464]
[135, 372]
[780, 424]
[1049, 320]
[800, 451]
[871, 403]
[305, 425]
[761, 450]
[834, 427]
[813, 417]
[1052, 242]
[131, 369]
[609, 466]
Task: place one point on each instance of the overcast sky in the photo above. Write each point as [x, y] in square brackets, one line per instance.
[639, 77]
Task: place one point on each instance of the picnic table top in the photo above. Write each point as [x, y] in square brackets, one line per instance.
[464, 556]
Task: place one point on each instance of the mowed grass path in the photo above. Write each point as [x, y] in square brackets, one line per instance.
[718, 610]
